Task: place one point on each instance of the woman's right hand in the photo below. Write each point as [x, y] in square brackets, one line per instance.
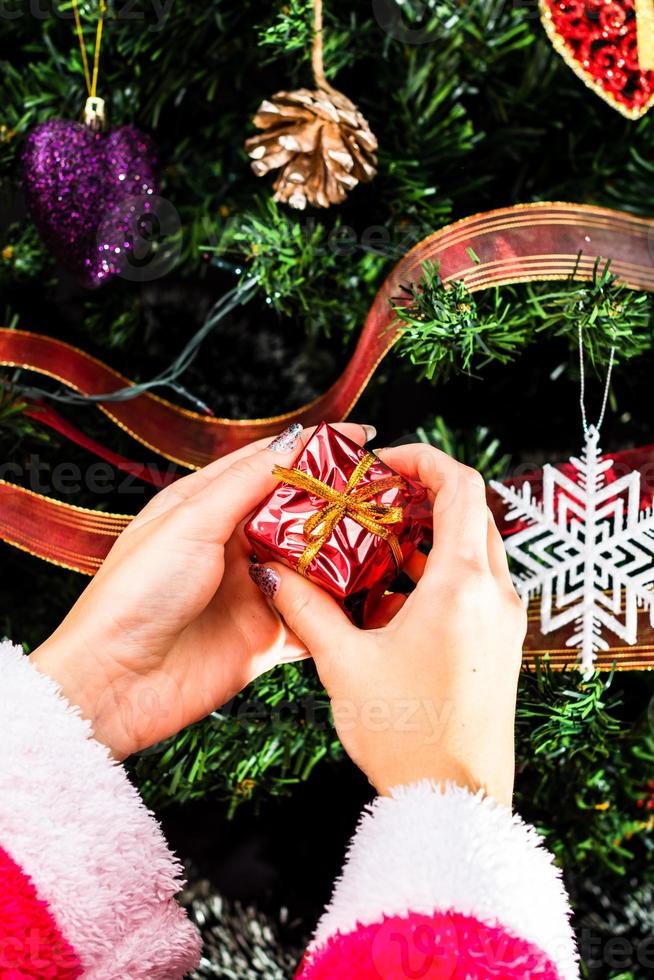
[432, 692]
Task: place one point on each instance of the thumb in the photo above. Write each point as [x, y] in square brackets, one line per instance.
[311, 613]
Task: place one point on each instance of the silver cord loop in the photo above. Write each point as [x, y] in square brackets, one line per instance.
[582, 387]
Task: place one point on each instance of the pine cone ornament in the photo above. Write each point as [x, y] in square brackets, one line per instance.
[319, 141]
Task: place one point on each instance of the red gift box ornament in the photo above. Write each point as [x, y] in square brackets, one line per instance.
[340, 517]
[355, 502]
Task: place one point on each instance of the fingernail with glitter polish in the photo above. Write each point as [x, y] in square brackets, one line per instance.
[266, 578]
[286, 440]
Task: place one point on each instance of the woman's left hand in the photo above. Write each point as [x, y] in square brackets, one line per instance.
[172, 626]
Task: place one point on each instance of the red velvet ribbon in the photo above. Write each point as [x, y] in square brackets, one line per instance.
[518, 244]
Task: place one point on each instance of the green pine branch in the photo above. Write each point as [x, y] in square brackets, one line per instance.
[477, 448]
[263, 743]
[444, 328]
[572, 733]
[447, 329]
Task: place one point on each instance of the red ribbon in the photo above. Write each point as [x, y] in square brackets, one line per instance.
[518, 244]
[46, 415]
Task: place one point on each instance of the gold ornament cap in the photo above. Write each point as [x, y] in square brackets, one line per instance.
[95, 116]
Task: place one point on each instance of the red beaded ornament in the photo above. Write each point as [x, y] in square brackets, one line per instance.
[599, 40]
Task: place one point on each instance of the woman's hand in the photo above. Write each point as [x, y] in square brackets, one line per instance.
[172, 627]
[430, 692]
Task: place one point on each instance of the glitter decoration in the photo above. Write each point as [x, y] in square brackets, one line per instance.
[598, 40]
[87, 192]
[286, 440]
[266, 578]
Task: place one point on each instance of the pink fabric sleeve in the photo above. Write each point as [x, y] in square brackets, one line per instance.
[440, 883]
[31, 943]
[441, 946]
[76, 827]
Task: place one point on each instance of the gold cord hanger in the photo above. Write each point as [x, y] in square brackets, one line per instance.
[94, 110]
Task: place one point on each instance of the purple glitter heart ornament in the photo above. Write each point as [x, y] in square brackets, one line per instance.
[84, 191]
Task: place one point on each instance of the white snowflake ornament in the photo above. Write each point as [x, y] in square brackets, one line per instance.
[587, 548]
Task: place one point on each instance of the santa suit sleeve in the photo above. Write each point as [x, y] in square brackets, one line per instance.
[87, 882]
[443, 884]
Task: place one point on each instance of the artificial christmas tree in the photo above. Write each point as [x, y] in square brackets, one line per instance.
[473, 111]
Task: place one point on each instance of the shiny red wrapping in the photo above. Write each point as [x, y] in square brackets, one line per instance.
[352, 560]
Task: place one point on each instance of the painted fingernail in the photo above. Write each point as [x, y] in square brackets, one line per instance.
[288, 439]
[266, 578]
[369, 430]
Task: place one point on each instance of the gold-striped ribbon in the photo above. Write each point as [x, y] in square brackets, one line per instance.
[354, 501]
[645, 34]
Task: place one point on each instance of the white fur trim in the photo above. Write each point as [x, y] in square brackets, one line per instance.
[430, 849]
[74, 823]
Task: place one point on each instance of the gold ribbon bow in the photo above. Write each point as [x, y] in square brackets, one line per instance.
[354, 501]
[645, 33]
